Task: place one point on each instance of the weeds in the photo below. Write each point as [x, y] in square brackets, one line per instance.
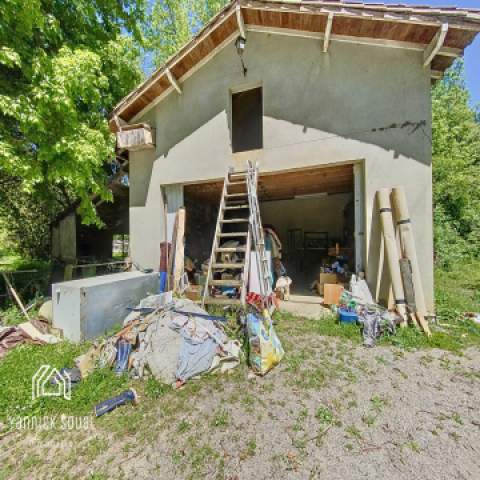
[324, 415]
[220, 419]
[378, 403]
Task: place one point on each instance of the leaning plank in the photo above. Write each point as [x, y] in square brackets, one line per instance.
[391, 251]
[179, 249]
[15, 296]
[410, 252]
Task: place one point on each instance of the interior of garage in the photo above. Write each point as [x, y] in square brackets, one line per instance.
[310, 212]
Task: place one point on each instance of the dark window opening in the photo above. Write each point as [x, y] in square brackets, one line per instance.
[247, 120]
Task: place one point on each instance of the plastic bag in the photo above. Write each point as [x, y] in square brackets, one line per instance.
[266, 351]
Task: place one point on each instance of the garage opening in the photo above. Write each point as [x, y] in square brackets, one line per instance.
[309, 215]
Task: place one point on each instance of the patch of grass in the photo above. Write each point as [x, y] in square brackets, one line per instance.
[378, 403]
[457, 291]
[28, 285]
[220, 419]
[466, 334]
[12, 316]
[413, 446]
[94, 448]
[155, 389]
[184, 426]
[324, 415]
[381, 359]
[327, 325]
[199, 458]
[368, 420]
[250, 449]
[457, 418]
[354, 432]
[20, 364]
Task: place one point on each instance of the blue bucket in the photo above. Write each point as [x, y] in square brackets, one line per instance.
[347, 316]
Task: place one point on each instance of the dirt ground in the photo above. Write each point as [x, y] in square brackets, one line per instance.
[332, 409]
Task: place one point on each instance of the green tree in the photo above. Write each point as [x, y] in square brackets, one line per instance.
[456, 169]
[172, 23]
[63, 66]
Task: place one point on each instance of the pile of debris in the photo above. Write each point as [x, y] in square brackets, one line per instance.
[175, 340]
[172, 339]
[34, 332]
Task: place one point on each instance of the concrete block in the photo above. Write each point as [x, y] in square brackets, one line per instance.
[87, 308]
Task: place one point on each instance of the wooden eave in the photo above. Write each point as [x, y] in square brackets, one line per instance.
[399, 26]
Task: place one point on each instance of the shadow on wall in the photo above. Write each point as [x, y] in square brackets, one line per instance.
[309, 101]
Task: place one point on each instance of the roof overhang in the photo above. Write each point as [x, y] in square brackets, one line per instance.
[442, 33]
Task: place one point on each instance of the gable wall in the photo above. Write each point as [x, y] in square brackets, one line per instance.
[318, 109]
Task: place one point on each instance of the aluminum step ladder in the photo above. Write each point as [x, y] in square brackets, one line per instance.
[256, 228]
[239, 220]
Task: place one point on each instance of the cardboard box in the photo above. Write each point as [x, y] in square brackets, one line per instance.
[332, 293]
[194, 292]
[326, 278]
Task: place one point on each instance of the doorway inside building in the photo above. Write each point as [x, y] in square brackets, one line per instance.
[313, 216]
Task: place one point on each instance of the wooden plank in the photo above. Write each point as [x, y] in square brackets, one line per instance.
[226, 283]
[231, 249]
[228, 266]
[241, 25]
[173, 81]
[328, 31]
[179, 249]
[435, 45]
[12, 290]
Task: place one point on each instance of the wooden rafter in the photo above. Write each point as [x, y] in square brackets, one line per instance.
[173, 81]
[414, 27]
[241, 24]
[435, 45]
[328, 31]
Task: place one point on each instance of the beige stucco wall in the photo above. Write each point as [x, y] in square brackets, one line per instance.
[318, 109]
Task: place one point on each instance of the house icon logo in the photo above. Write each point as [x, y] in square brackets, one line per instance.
[62, 387]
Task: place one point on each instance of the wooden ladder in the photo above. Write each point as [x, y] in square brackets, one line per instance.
[232, 224]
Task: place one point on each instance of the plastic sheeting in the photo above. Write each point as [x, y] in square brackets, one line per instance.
[266, 351]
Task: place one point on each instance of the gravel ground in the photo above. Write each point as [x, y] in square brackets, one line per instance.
[332, 409]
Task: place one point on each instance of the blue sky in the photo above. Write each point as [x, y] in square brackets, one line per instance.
[472, 53]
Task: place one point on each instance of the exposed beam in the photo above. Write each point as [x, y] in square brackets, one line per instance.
[187, 75]
[435, 45]
[241, 24]
[374, 42]
[436, 74]
[328, 31]
[173, 81]
[450, 52]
